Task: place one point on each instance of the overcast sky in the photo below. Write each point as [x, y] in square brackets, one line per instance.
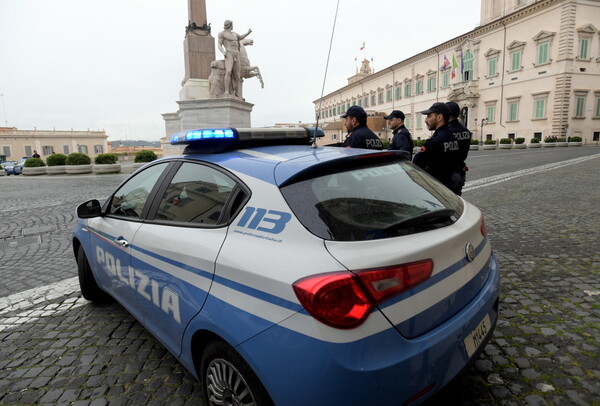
[117, 65]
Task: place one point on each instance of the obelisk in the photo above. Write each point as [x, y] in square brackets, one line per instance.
[199, 52]
[197, 108]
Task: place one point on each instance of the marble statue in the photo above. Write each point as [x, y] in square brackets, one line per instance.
[228, 74]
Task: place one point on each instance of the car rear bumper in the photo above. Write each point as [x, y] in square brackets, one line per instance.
[383, 368]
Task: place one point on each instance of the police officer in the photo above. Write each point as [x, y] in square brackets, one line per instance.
[439, 156]
[463, 136]
[402, 140]
[359, 135]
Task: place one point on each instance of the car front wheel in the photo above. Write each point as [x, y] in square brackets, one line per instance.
[228, 380]
[89, 287]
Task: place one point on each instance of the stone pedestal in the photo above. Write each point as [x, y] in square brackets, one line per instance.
[206, 113]
[194, 89]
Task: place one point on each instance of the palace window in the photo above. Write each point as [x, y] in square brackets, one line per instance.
[586, 34]
[419, 87]
[543, 51]
[539, 107]
[407, 89]
[580, 98]
[468, 66]
[513, 110]
[543, 41]
[492, 70]
[431, 83]
[490, 113]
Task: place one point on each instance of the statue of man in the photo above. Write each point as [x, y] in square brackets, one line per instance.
[229, 45]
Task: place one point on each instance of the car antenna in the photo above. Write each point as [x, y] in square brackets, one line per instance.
[314, 140]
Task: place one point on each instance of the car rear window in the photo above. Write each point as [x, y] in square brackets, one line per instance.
[366, 201]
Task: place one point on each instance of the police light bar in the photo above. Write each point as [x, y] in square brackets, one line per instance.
[213, 140]
[187, 137]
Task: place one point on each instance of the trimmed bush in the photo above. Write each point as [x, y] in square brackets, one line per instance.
[386, 144]
[33, 163]
[145, 156]
[56, 160]
[534, 140]
[489, 142]
[550, 139]
[561, 140]
[77, 158]
[575, 139]
[474, 141]
[519, 140]
[419, 143]
[505, 141]
[105, 159]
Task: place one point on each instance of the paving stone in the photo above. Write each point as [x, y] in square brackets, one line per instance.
[64, 350]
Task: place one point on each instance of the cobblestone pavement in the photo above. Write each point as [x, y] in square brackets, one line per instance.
[59, 349]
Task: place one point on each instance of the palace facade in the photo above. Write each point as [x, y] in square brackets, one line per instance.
[531, 69]
[15, 143]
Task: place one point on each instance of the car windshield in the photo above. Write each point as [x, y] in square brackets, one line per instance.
[372, 201]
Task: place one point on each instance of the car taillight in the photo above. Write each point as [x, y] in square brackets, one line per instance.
[483, 230]
[345, 299]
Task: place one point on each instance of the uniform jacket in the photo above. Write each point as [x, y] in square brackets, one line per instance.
[463, 136]
[402, 140]
[440, 155]
[362, 137]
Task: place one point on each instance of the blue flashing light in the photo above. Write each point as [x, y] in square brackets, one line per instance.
[187, 137]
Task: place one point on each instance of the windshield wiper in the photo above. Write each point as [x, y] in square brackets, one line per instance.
[423, 218]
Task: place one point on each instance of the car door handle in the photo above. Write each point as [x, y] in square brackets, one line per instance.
[122, 242]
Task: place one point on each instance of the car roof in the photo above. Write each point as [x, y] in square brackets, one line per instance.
[277, 164]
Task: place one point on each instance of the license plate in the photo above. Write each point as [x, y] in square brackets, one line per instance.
[476, 337]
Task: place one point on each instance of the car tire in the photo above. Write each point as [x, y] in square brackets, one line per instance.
[87, 283]
[227, 379]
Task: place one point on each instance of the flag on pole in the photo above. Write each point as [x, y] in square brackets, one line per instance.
[462, 65]
[454, 66]
[446, 64]
[362, 46]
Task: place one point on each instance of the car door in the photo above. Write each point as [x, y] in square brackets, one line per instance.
[175, 251]
[111, 236]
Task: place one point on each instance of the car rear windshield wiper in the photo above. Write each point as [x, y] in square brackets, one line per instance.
[423, 218]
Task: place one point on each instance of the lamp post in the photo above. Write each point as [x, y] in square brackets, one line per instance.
[483, 122]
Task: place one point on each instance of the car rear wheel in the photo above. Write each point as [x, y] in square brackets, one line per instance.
[228, 380]
[89, 288]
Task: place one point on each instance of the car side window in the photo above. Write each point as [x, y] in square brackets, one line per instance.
[197, 194]
[129, 200]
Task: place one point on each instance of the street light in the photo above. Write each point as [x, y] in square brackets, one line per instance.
[483, 122]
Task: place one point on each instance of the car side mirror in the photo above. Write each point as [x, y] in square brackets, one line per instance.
[89, 209]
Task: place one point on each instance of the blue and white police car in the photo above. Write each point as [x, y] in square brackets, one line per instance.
[283, 273]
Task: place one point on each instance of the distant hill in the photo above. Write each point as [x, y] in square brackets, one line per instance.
[135, 143]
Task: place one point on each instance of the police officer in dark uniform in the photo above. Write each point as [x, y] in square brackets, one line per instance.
[402, 139]
[463, 136]
[359, 135]
[439, 156]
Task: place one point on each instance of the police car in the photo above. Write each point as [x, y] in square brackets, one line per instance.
[279, 272]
